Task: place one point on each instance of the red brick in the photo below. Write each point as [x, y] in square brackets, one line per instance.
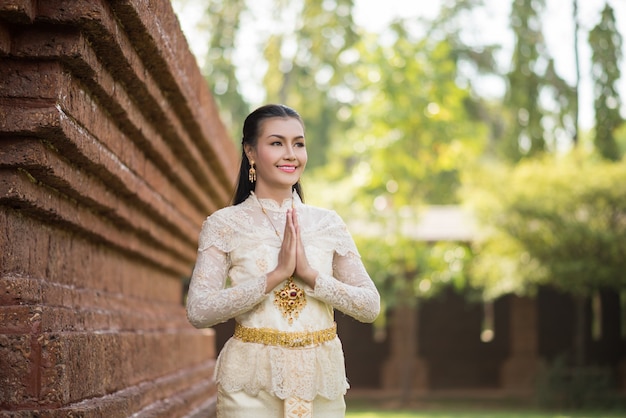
[167, 45]
[18, 190]
[48, 168]
[18, 11]
[5, 40]
[18, 370]
[114, 154]
[80, 57]
[115, 47]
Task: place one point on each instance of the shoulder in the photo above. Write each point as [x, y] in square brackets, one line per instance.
[219, 229]
[321, 213]
[229, 214]
[225, 212]
[329, 229]
[323, 218]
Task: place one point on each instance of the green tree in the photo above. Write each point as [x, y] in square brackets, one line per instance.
[532, 75]
[535, 93]
[556, 222]
[308, 66]
[474, 60]
[305, 54]
[412, 133]
[412, 136]
[606, 45]
[406, 271]
[223, 19]
[576, 102]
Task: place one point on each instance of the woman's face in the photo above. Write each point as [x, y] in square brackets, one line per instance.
[280, 153]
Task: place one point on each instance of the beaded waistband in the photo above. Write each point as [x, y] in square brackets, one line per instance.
[268, 336]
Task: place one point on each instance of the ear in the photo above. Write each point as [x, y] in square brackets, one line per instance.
[249, 151]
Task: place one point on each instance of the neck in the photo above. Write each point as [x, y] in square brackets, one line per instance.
[278, 195]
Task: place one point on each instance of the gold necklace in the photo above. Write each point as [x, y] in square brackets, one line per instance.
[290, 299]
[268, 216]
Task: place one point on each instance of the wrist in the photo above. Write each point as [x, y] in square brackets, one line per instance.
[309, 277]
[274, 278]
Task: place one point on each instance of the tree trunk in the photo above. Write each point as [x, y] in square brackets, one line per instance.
[406, 365]
[577, 67]
[580, 326]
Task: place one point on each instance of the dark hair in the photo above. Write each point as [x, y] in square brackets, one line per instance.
[251, 129]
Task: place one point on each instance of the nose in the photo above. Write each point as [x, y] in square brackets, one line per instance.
[289, 153]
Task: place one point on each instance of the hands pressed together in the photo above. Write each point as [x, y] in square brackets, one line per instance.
[292, 259]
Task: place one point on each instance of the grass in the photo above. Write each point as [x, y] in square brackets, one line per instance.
[479, 414]
[462, 408]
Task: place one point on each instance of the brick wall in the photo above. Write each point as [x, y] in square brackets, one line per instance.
[111, 155]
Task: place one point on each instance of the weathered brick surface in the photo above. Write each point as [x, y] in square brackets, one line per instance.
[46, 166]
[18, 379]
[70, 106]
[22, 11]
[157, 100]
[111, 155]
[5, 40]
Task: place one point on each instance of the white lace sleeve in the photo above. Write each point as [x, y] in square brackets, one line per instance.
[351, 290]
[209, 302]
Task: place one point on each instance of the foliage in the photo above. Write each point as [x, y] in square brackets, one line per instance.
[412, 133]
[301, 58]
[418, 137]
[606, 44]
[223, 19]
[558, 221]
[563, 387]
[394, 123]
[620, 138]
[405, 270]
[531, 77]
[308, 66]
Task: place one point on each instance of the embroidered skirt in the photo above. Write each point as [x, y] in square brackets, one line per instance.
[242, 405]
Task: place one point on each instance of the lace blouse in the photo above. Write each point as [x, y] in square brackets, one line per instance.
[238, 246]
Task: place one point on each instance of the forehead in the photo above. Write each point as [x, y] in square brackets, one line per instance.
[287, 127]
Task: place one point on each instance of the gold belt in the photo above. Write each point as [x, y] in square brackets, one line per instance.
[268, 336]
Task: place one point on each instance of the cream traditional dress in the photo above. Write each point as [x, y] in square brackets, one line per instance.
[285, 358]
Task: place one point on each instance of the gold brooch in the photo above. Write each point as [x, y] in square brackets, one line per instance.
[290, 300]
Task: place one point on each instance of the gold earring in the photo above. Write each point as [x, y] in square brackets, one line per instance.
[252, 173]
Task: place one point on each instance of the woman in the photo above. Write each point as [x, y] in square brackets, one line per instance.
[279, 267]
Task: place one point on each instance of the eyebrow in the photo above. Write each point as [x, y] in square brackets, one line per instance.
[283, 137]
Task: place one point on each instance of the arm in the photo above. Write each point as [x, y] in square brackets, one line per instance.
[208, 301]
[351, 290]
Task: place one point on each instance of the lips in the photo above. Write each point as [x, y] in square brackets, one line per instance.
[287, 168]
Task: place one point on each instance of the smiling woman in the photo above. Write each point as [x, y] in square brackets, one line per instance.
[279, 156]
[288, 266]
[270, 127]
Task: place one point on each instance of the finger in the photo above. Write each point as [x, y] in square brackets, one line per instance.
[287, 222]
[290, 224]
[290, 239]
[294, 216]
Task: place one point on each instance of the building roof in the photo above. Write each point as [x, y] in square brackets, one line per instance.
[434, 223]
[444, 223]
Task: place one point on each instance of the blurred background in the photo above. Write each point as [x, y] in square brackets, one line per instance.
[475, 149]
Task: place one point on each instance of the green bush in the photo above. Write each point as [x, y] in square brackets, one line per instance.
[562, 386]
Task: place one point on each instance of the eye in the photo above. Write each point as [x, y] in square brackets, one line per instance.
[300, 144]
[276, 143]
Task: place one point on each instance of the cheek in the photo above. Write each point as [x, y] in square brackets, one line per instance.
[302, 155]
[266, 155]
